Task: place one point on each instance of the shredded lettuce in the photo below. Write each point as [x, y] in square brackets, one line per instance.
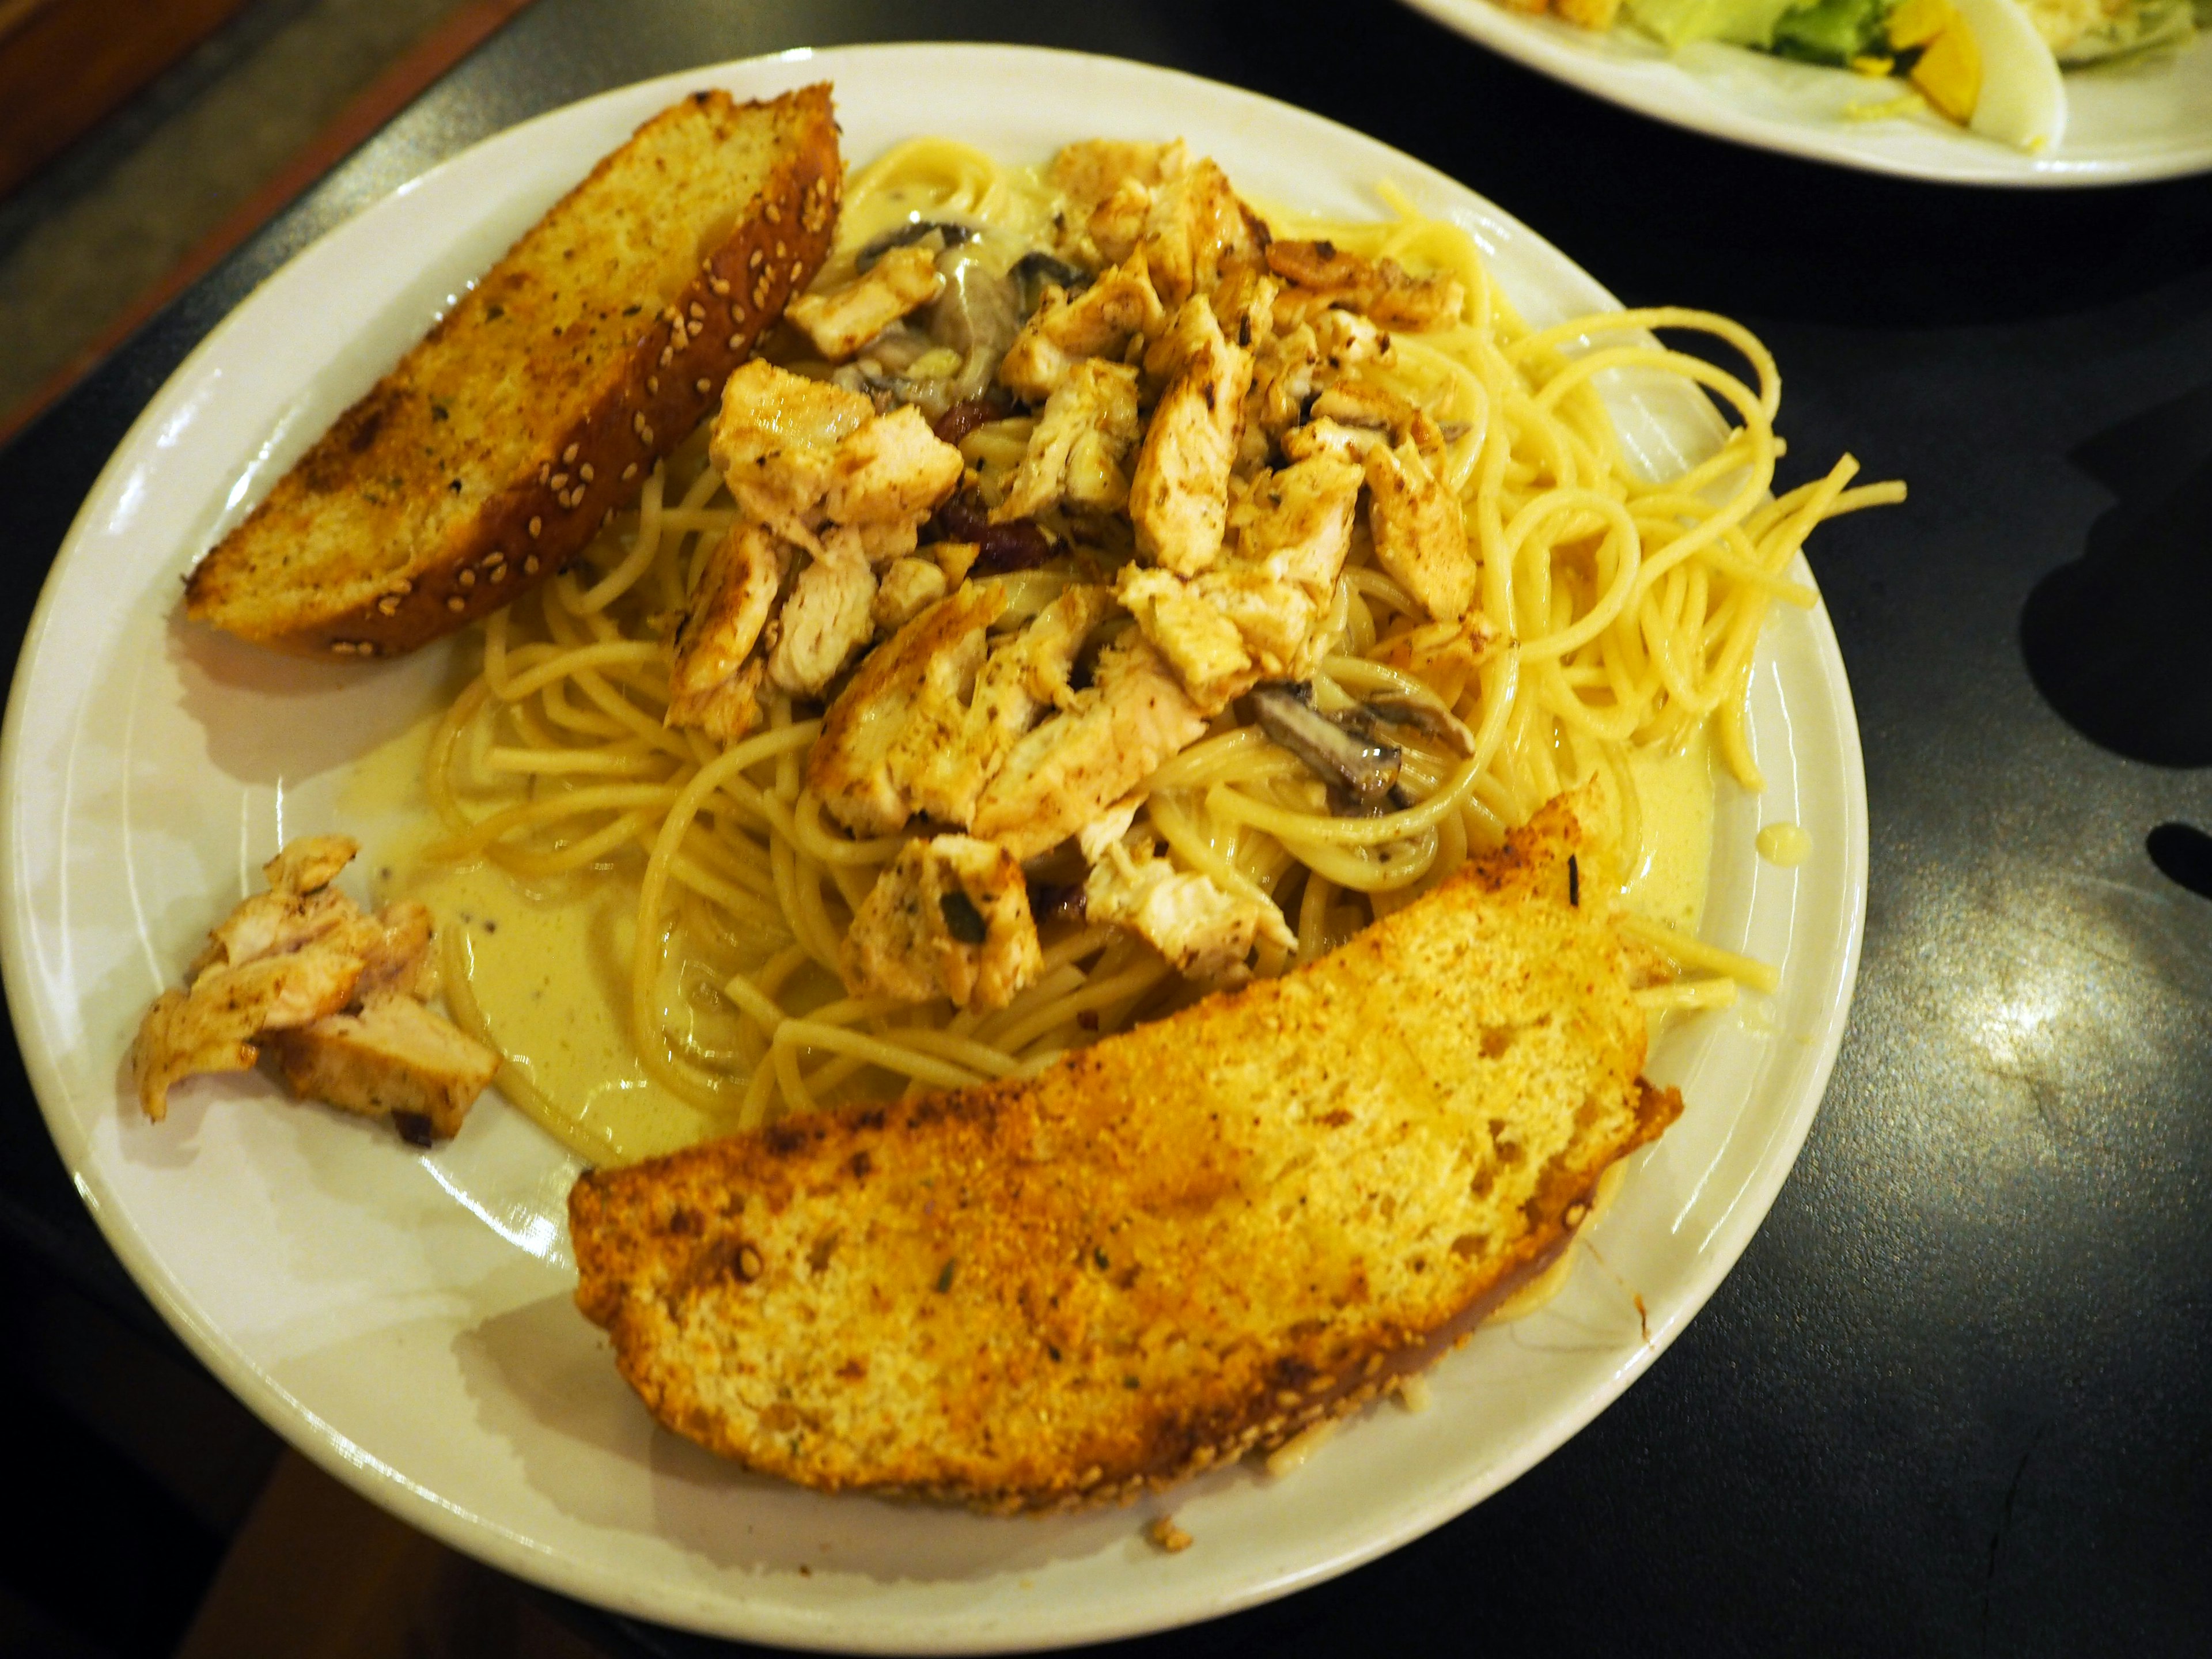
[1834, 31]
[1739, 22]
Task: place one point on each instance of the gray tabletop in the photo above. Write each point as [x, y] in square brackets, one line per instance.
[1957, 1396]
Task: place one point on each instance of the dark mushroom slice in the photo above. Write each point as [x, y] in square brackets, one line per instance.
[907, 235]
[977, 315]
[1424, 714]
[1036, 270]
[1363, 769]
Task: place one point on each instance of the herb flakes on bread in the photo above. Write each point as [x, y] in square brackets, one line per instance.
[1197, 1238]
[496, 449]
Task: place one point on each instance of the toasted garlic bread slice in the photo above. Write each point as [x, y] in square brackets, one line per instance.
[498, 446]
[1196, 1238]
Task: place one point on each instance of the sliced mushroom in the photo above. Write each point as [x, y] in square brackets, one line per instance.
[1036, 270]
[907, 235]
[1427, 714]
[978, 315]
[1364, 770]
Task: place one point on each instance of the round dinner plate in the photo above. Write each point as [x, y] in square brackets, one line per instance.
[2128, 122]
[404, 1318]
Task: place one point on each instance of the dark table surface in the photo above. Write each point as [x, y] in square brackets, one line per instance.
[1957, 1396]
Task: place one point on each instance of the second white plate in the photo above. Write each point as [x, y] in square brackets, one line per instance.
[406, 1319]
[2128, 123]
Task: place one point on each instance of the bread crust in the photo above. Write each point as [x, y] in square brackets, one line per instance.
[313, 570]
[1066, 1290]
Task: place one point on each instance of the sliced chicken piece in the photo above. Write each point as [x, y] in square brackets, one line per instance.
[1206, 932]
[825, 618]
[1107, 828]
[948, 917]
[215, 1026]
[1116, 225]
[280, 921]
[1099, 322]
[394, 1059]
[1380, 288]
[844, 320]
[1326, 437]
[1298, 523]
[1114, 734]
[1081, 441]
[1089, 172]
[1195, 230]
[1274, 619]
[1442, 655]
[767, 412]
[1200, 643]
[1363, 405]
[944, 763]
[399, 962]
[1179, 492]
[1420, 534]
[904, 589]
[922, 674]
[1285, 379]
[308, 864]
[714, 685]
[1347, 340]
[887, 476]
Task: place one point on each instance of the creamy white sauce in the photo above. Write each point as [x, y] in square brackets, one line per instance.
[1784, 845]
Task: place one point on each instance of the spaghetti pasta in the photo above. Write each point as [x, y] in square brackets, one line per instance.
[1624, 612]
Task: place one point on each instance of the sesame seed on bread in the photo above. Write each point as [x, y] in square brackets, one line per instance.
[1193, 1240]
[494, 450]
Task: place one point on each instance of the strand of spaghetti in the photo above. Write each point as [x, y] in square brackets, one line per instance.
[1749, 345]
[605, 798]
[1225, 802]
[644, 549]
[1693, 952]
[576, 854]
[611, 760]
[785, 1061]
[1628, 565]
[1687, 994]
[1094, 996]
[979, 1057]
[514, 1082]
[1183, 833]
[802, 824]
[794, 1033]
[582, 657]
[646, 961]
[437, 774]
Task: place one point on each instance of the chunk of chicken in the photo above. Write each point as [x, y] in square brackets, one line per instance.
[1196, 229]
[1114, 734]
[1179, 492]
[1075, 452]
[842, 320]
[768, 411]
[1297, 522]
[826, 619]
[947, 759]
[1206, 932]
[921, 675]
[1089, 172]
[394, 1059]
[285, 961]
[1420, 534]
[904, 589]
[887, 477]
[1442, 655]
[1335, 277]
[1200, 643]
[948, 917]
[713, 685]
[1357, 402]
[1099, 322]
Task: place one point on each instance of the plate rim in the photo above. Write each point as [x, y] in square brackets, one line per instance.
[483, 1535]
[1519, 37]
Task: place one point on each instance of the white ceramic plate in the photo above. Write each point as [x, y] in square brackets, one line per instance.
[2127, 122]
[406, 1320]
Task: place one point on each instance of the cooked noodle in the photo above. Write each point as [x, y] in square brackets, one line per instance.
[1630, 607]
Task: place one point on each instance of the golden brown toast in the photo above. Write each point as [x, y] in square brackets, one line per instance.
[498, 446]
[1193, 1239]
